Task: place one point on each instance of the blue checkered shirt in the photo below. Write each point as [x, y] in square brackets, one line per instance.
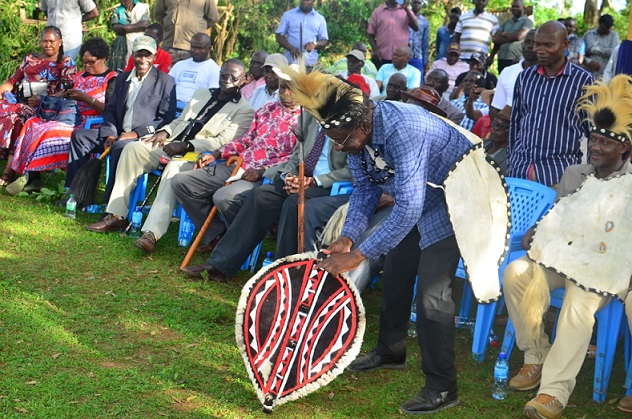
[422, 148]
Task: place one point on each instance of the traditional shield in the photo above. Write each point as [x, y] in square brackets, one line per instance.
[297, 328]
[587, 236]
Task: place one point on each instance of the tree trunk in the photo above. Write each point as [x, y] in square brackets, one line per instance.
[605, 4]
[591, 13]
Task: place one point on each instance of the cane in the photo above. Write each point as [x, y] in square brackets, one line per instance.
[164, 160]
[238, 161]
[300, 232]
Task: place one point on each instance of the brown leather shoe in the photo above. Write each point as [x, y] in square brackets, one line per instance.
[109, 223]
[544, 406]
[625, 404]
[208, 248]
[147, 242]
[528, 378]
[213, 273]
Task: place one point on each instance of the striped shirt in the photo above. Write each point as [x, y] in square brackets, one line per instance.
[545, 129]
[421, 148]
[478, 105]
[476, 32]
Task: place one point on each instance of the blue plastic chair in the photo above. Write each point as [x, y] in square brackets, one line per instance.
[609, 322]
[529, 202]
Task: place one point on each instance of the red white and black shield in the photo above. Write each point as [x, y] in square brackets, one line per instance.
[297, 328]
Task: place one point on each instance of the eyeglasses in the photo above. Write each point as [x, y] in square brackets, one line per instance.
[226, 76]
[89, 62]
[345, 140]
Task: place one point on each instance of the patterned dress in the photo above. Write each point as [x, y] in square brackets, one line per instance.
[32, 69]
[43, 145]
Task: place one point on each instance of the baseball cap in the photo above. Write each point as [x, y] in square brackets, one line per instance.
[454, 47]
[357, 54]
[275, 60]
[144, 42]
[481, 57]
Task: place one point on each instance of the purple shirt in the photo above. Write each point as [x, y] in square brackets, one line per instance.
[390, 28]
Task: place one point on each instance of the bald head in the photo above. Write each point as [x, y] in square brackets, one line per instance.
[200, 47]
[396, 85]
[438, 79]
[550, 43]
[401, 57]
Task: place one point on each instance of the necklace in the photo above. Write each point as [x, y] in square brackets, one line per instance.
[378, 165]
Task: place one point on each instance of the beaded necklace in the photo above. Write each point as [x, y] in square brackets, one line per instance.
[378, 164]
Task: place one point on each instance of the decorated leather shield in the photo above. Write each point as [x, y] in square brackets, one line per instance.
[297, 328]
[587, 236]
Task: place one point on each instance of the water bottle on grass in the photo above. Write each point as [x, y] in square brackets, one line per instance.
[501, 374]
[71, 207]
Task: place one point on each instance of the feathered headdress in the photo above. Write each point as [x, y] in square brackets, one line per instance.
[609, 107]
[332, 101]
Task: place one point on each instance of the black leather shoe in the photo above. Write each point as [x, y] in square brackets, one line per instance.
[430, 401]
[373, 360]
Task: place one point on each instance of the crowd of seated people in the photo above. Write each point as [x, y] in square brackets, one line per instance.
[228, 109]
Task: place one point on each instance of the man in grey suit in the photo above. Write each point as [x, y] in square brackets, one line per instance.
[267, 204]
[143, 101]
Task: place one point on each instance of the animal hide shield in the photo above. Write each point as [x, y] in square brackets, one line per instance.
[587, 236]
[297, 328]
[478, 203]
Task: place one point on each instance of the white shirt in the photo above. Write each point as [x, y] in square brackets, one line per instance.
[260, 97]
[132, 93]
[504, 89]
[191, 76]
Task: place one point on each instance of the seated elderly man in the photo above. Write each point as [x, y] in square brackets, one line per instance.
[212, 119]
[527, 284]
[143, 101]
[268, 92]
[401, 57]
[269, 142]
[274, 202]
[396, 85]
[355, 63]
[439, 80]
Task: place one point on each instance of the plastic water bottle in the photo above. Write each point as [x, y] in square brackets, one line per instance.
[94, 209]
[412, 324]
[492, 339]
[464, 323]
[71, 207]
[137, 221]
[268, 260]
[186, 233]
[501, 374]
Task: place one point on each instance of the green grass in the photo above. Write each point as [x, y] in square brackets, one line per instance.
[90, 327]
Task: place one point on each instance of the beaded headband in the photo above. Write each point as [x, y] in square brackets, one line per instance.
[335, 121]
[610, 134]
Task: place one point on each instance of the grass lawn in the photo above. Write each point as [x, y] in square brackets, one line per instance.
[91, 327]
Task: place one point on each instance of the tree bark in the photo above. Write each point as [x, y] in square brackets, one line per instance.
[591, 13]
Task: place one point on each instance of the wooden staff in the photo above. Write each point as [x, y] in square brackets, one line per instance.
[238, 161]
[300, 232]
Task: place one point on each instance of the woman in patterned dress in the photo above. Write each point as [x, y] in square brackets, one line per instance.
[50, 66]
[43, 145]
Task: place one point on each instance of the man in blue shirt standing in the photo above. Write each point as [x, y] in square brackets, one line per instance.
[401, 149]
[315, 36]
[419, 39]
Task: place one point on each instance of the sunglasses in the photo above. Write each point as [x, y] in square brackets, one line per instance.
[226, 76]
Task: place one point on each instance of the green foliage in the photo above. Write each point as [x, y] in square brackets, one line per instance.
[46, 194]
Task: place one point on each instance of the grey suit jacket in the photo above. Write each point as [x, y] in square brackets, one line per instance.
[155, 105]
[337, 159]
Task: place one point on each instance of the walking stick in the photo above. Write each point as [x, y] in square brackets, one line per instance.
[164, 160]
[238, 161]
[300, 231]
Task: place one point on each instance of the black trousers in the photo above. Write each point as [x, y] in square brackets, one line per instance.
[435, 267]
[261, 209]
